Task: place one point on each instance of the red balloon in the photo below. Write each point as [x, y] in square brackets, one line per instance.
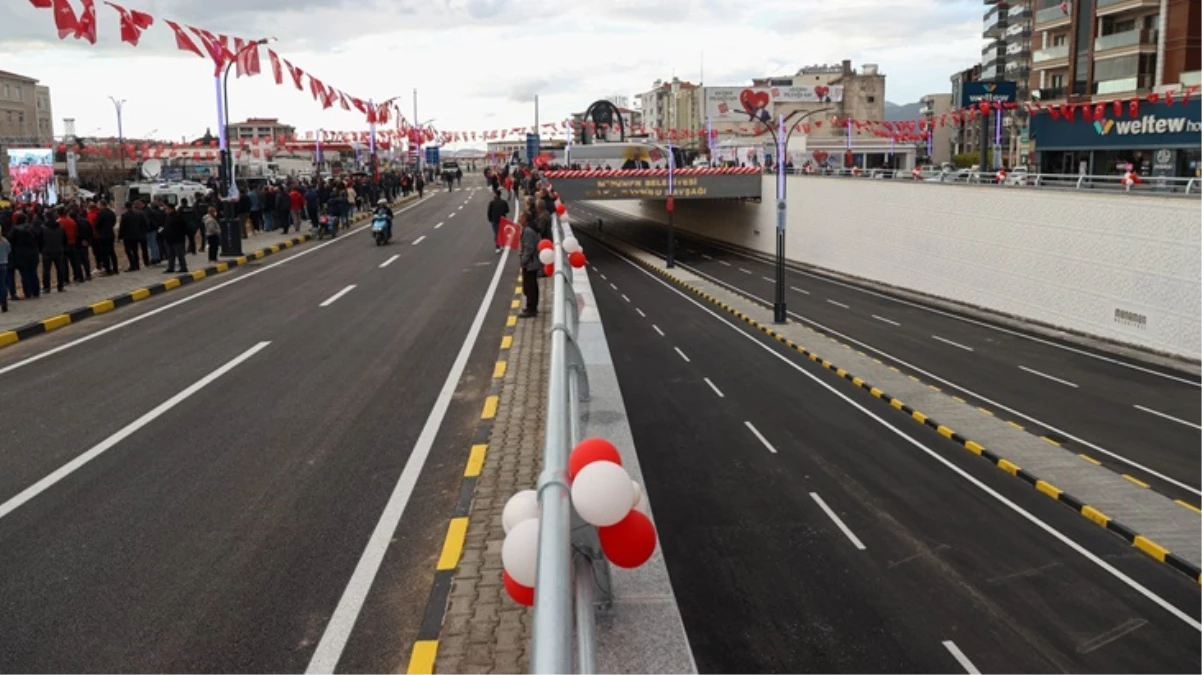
[561, 209]
[630, 542]
[576, 258]
[550, 270]
[591, 450]
[545, 244]
[523, 595]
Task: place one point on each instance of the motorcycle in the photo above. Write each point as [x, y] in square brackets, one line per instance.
[325, 226]
[379, 230]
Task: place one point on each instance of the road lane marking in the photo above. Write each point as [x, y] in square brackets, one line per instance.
[625, 298]
[799, 290]
[682, 355]
[954, 344]
[723, 262]
[199, 294]
[342, 621]
[452, 546]
[611, 285]
[640, 312]
[334, 298]
[961, 658]
[459, 209]
[452, 214]
[837, 304]
[744, 270]
[438, 225]
[657, 330]
[939, 458]
[714, 387]
[1135, 480]
[891, 322]
[418, 240]
[125, 432]
[769, 280]
[760, 436]
[388, 262]
[1045, 375]
[842, 526]
[1169, 417]
[707, 256]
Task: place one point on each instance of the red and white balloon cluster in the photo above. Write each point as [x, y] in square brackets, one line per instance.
[546, 249]
[603, 494]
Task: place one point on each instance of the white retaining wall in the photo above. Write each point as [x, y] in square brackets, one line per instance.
[1120, 267]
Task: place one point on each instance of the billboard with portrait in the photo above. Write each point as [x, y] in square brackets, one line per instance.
[31, 174]
[743, 104]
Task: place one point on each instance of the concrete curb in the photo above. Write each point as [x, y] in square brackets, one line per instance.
[425, 647]
[53, 323]
[1144, 544]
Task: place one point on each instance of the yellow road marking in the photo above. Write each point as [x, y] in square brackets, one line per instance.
[1089, 459]
[241, 260]
[102, 306]
[506, 342]
[8, 337]
[1050, 440]
[475, 460]
[171, 283]
[498, 370]
[515, 304]
[140, 294]
[896, 403]
[56, 322]
[1178, 502]
[198, 274]
[221, 267]
[944, 431]
[1015, 425]
[958, 399]
[1095, 515]
[1135, 480]
[1150, 547]
[921, 418]
[490, 408]
[875, 392]
[987, 412]
[1048, 489]
[974, 447]
[452, 546]
[1008, 466]
[421, 661]
[511, 321]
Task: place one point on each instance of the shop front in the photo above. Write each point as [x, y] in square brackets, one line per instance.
[1164, 140]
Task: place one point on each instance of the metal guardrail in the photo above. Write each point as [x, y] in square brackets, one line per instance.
[573, 574]
[1150, 185]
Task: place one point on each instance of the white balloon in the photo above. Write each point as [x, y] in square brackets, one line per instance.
[602, 493]
[571, 244]
[521, 506]
[638, 495]
[519, 552]
[546, 256]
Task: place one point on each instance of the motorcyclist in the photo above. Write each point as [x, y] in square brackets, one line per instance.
[383, 210]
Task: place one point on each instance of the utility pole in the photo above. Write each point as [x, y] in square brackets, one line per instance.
[120, 133]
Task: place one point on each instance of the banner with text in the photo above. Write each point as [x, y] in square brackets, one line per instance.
[742, 104]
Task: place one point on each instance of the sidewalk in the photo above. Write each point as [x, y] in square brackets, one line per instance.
[53, 310]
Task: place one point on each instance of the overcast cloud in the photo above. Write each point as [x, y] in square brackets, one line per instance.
[477, 64]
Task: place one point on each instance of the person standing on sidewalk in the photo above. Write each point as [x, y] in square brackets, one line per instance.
[498, 208]
[106, 230]
[54, 254]
[25, 257]
[133, 235]
[212, 232]
[85, 240]
[175, 236]
[531, 266]
[5, 251]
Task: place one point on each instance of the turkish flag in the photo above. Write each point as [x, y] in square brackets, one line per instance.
[509, 234]
[64, 19]
[182, 41]
[277, 70]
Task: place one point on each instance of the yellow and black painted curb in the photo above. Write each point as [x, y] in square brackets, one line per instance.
[425, 647]
[58, 321]
[1151, 548]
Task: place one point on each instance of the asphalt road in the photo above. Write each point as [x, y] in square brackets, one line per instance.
[938, 563]
[1090, 405]
[220, 534]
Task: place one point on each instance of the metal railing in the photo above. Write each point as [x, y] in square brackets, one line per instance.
[573, 574]
[1154, 185]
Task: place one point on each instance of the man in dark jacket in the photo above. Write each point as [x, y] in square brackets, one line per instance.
[106, 230]
[133, 234]
[175, 237]
[498, 208]
[156, 219]
[25, 258]
[54, 254]
[530, 266]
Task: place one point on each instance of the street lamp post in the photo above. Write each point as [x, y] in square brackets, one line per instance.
[120, 133]
[231, 239]
[781, 136]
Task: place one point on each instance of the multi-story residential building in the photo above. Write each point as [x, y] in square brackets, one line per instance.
[266, 129]
[673, 105]
[1007, 58]
[26, 117]
[931, 108]
[965, 136]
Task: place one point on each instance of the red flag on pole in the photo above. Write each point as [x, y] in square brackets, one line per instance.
[277, 71]
[509, 234]
[182, 41]
[296, 73]
[132, 23]
[64, 19]
[86, 26]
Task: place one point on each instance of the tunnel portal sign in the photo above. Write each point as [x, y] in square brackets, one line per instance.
[687, 184]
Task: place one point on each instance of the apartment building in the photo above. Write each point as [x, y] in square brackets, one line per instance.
[265, 129]
[939, 149]
[26, 117]
[965, 137]
[1007, 57]
[673, 104]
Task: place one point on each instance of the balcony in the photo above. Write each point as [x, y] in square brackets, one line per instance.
[1107, 7]
[1128, 38]
[1123, 86]
[994, 28]
[1043, 56]
[1050, 17]
[1049, 94]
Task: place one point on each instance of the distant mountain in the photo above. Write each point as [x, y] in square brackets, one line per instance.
[897, 113]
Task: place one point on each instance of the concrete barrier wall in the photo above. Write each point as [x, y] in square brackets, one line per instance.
[1120, 267]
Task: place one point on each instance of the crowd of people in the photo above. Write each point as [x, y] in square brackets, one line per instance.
[44, 247]
[534, 219]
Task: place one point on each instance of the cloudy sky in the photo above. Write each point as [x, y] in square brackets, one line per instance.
[476, 64]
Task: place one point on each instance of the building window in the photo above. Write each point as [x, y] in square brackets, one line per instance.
[872, 99]
[1057, 81]
[1059, 40]
[6, 91]
[20, 93]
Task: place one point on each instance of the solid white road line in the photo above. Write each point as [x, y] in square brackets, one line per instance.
[418, 240]
[837, 304]
[391, 260]
[760, 436]
[625, 298]
[199, 294]
[682, 355]
[954, 344]
[334, 298]
[640, 312]
[95, 451]
[657, 330]
[744, 271]
[714, 387]
[942, 380]
[1169, 417]
[961, 658]
[888, 321]
[937, 457]
[842, 526]
[799, 290]
[438, 225]
[338, 630]
[1054, 379]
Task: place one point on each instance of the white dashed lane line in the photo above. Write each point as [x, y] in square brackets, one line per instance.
[954, 344]
[891, 322]
[715, 388]
[1050, 377]
[682, 355]
[760, 436]
[640, 312]
[657, 330]
[838, 304]
[418, 240]
[388, 262]
[842, 526]
[799, 290]
[334, 298]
